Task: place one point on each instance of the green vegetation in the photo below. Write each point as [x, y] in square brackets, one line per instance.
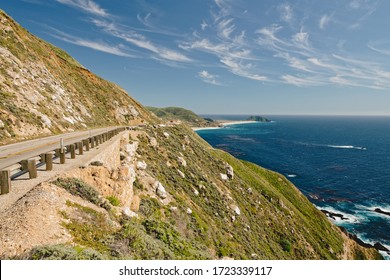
[258, 119]
[181, 114]
[113, 200]
[78, 187]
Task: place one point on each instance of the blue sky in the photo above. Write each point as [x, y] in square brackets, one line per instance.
[228, 56]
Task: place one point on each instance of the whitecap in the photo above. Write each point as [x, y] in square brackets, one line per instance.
[351, 219]
[346, 147]
[291, 175]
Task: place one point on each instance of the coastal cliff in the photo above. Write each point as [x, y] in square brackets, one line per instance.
[170, 195]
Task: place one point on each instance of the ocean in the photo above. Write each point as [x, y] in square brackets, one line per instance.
[342, 164]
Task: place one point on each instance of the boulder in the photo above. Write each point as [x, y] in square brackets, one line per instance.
[236, 209]
[153, 142]
[189, 211]
[224, 177]
[160, 190]
[181, 174]
[229, 171]
[96, 163]
[128, 213]
[2, 125]
[131, 149]
[141, 165]
[166, 134]
[182, 161]
[196, 192]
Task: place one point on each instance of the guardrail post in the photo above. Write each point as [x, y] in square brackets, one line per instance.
[92, 142]
[42, 156]
[49, 161]
[72, 151]
[96, 138]
[30, 166]
[62, 156]
[80, 146]
[86, 142]
[5, 181]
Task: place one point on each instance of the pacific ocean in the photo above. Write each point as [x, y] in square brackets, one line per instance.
[342, 164]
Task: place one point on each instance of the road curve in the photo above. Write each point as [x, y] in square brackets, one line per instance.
[14, 153]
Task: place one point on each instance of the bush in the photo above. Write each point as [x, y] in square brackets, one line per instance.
[64, 252]
[78, 187]
[113, 200]
[286, 245]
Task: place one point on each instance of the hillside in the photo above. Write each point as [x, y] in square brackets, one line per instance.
[44, 91]
[168, 194]
[183, 115]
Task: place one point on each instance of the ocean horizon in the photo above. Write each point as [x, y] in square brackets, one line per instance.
[341, 163]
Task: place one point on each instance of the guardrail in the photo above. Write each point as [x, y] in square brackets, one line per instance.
[31, 164]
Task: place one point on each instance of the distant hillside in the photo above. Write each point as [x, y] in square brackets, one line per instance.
[258, 119]
[162, 192]
[184, 115]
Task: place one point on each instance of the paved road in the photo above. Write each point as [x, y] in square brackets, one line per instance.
[14, 153]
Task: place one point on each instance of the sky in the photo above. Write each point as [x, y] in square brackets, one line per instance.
[228, 56]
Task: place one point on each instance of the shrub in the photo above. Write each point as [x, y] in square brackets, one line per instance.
[113, 200]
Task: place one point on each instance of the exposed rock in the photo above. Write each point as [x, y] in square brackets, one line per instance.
[333, 215]
[189, 211]
[202, 187]
[96, 163]
[187, 140]
[122, 156]
[235, 209]
[173, 209]
[160, 190]
[196, 192]
[181, 174]
[131, 149]
[378, 210]
[128, 213]
[229, 171]
[166, 134]
[153, 142]
[224, 177]
[126, 173]
[182, 161]
[233, 218]
[250, 190]
[141, 165]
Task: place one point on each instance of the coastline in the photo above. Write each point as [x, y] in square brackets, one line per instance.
[222, 124]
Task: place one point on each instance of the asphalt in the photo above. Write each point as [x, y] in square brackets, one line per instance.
[14, 153]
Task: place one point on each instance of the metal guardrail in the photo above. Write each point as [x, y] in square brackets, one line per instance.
[31, 164]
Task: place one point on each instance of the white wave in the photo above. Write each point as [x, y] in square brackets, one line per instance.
[370, 210]
[346, 147]
[351, 219]
[291, 175]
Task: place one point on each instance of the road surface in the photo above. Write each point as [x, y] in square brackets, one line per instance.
[14, 153]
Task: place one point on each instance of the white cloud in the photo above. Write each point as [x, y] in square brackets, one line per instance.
[141, 41]
[208, 78]
[88, 6]
[225, 28]
[203, 25]
[324, 21]
[302, 81]
[98, 46]
[239, 68]
[286, 12]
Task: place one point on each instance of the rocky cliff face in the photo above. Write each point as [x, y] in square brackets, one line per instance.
[164, 194]
[44, 91]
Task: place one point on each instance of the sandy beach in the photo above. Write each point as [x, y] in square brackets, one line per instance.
[222, 124]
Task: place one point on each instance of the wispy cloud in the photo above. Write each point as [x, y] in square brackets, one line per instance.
[286, 12]
[206, 77]
[140, 41]
[324, 21]
[118, 50]
[88, 6]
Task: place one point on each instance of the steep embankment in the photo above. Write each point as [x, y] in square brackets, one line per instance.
[165, 194]
[44, 91]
